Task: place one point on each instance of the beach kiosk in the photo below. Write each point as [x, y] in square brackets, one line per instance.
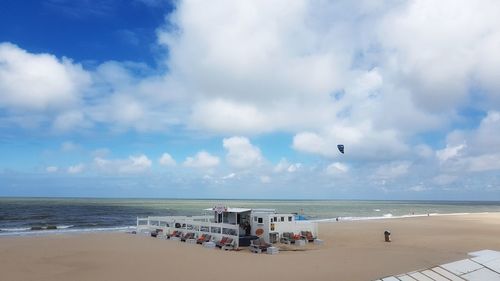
[240, 224]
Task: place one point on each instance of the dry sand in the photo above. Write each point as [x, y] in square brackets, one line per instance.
[353, 251]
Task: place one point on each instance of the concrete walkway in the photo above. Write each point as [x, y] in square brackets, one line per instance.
[482, 266]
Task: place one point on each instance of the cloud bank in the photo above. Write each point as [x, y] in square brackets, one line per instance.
[394, 82]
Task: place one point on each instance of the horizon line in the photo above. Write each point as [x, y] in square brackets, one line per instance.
[249, 199]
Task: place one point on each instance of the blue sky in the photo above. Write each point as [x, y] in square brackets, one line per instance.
[86, 31]
[248, 99]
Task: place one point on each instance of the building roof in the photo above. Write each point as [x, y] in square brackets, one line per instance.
[232, 210]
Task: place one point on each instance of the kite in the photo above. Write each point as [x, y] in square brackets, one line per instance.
[341, 148]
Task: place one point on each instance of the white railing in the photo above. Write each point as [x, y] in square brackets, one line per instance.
[196, 224]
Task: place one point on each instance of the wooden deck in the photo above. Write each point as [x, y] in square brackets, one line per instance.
[482, 266]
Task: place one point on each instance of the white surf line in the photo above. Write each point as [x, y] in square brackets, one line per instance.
[66, 231]
[397, 217]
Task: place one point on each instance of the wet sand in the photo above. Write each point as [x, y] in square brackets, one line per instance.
[353, 250]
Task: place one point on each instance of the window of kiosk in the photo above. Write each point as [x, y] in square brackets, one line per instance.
[259, 220]
[289, 218]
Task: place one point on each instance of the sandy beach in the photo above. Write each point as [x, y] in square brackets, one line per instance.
[353, 250]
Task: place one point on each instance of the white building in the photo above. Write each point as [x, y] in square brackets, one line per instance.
[241, 224]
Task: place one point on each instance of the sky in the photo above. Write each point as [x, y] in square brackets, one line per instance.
[249, 99]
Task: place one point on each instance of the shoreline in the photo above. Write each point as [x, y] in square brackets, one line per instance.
[26, 232]
[352, 251]
[64, 231]
[390, 216]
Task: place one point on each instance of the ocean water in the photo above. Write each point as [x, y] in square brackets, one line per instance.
[19, 215]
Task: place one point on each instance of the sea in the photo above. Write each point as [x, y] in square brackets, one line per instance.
[32, 216]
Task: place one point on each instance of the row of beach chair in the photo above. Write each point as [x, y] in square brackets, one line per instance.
[257, 246]
[260, 245]
[225, 242]
[290, 237]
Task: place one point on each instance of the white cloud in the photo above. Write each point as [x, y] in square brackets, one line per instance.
[38, 81]
[124, 101]
[133, 164]
[71, 120]
[76, 169]
[379, 77]
[424, 151]
[474, 150]
[362, 79]
[294, 167]
[235, 75]
[312, 143]
[101, 163]
[51, 169]
[488, 162]
[281, 166]
[128, 111]
[384, 71]
[337, 168]
[229, 176]
[444, 179]
[360, 141]
[167, 160]
[450, 152]
[265, 179]
[39, 90]
[202, 160]
[486, 138]
[241, 153]
[226, 116]
[299, 63]
[284, 165]
[441, 49]
[418, 188]
[392, 170]
[138, 163]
